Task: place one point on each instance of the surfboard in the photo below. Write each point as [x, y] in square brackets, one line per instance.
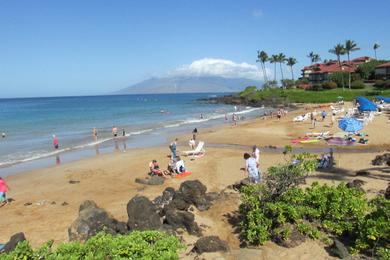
[182, 174]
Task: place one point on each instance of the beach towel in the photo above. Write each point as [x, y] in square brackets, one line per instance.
[339, 141]
[181, 175]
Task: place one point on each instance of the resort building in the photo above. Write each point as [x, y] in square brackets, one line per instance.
[383, 71]
[320, 72]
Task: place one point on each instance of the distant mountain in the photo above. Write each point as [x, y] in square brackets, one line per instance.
[189, 84]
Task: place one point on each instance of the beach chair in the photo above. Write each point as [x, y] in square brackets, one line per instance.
[199, 150]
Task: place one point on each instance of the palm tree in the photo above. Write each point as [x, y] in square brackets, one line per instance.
[281, 59]
[339, 50]
[291, 62]
[350, 46]
[274, 59]
[262, 57]
[314, 57]
[375, 47]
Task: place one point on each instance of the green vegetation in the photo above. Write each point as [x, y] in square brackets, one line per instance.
[303, 96]
[358, 84]
[382, 84]
[270, 209]
[367, 70]
[136, 245]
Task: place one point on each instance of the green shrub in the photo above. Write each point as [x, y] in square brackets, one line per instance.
[248, 91]
[379, 83]
[136, 245]
[387, 84]
[341, 78]
[316, 87]
[367, 70]
[358, 84]
[329, 85]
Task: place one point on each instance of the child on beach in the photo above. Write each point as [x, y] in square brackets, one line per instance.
[3, 192]
[251, 168]
[155, 169]
[55, 142]
[172, 147]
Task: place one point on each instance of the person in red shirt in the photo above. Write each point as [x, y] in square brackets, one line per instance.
[3, 192]
[55, 142]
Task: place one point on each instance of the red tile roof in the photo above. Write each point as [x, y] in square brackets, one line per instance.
[333, 66]
[384, 65]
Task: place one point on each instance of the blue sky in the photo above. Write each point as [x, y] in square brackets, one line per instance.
[53, 48]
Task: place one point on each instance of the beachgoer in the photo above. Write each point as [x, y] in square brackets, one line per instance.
[314, 122]
[311, 117]
[172, 147]
[234, 119]
[3, 135]
[323, 115]
[3, 192]
[256, 154]
[55, 142]
[251, 168]
[333, 117]
[180, 168]
[94, 134]
[123, 132]
[192, 143]
[194, 133]
[114, 131]
[235, 108]
[226, 118]
[279, 114]
[201, 116]
[155, 169]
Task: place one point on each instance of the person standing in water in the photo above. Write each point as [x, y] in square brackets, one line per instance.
[94, 134]
[3, 135]
[55, 142]
[114, 131]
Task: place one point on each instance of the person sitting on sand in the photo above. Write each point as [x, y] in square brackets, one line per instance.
[155, 169]
[3, 192]
[251, 168]
[180, 168]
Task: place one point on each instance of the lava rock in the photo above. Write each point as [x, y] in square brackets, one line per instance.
[142, 214]
[294, 239]
[13, 242]
[210, 244]
[387, 192]
[154, 180]
[92, 220]
[182, 219]
[340, 250]
[382, 159]
[240, 184]
[194, 192]
[356, 184]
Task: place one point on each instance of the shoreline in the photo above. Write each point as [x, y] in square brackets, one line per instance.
[109, 179]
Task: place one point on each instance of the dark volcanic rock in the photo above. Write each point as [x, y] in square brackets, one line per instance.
[13, 242]
[142, 214]
[92, 220]
[382, 159]
[387, 192]
[210, 244]
[182, 219]
[356, 184]
[193, 192]
[165, 198]
[238, 185]
[340, 250]
[154, 180]
[294, 239]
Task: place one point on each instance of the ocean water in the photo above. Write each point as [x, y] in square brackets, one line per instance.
[29, 123]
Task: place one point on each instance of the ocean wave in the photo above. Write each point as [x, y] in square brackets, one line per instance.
[18, 158]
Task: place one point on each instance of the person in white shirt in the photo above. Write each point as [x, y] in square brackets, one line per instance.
[251, 169]
[192, 143]
[180, 168]
[256, 154]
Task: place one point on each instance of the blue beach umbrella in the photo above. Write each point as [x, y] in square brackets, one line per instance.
[350, 124]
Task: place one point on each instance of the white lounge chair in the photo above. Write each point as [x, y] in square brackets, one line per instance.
[199, 150]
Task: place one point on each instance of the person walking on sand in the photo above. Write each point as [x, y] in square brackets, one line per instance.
[172, 147]
[333, 118]
[3, 192]
[123, 132]
[94, 134]
[234, 119]
[279, 114]
[314, 123]
[323, 115]
[194, 133]
[56, 143]
[251, 168]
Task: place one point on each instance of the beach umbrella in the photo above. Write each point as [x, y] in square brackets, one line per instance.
[350, 124]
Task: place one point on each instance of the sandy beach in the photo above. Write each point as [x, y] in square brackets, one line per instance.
[109, 180]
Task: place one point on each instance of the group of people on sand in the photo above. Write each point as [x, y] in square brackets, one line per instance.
[252, 165]
[270, 114]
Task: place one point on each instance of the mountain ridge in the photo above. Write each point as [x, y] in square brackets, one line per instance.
[188, 84]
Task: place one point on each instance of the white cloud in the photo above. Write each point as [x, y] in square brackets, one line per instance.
[257, 13]
[219, 67]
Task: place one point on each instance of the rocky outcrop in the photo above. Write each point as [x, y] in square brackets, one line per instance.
[193, 192]
[154, 180]
[13, 242]
[295, 238]
[182, 219]
[92, 220]
[356, 184]
[143, 214]
[382, 159]
[210, 244]
[387, 192]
